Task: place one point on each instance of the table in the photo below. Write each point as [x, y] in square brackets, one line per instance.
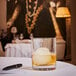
[18, 50]
[62, 68]
[22, 48]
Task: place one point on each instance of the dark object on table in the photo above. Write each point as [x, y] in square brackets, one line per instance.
[15, 66]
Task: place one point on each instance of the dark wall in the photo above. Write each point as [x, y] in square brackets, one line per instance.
[73, 30]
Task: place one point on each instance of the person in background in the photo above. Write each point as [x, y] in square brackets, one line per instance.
[3, 38]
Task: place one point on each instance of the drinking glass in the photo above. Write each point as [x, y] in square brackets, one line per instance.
[21, 36]
[44, 53]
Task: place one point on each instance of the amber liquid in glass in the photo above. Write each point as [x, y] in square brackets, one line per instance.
[44, 62]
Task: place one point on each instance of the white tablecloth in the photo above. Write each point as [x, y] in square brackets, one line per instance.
[18, 50]
[23, 48]
[62, 68]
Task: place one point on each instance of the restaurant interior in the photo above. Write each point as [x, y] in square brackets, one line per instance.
[63, 18]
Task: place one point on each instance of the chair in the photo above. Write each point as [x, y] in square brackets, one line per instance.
[1, 51]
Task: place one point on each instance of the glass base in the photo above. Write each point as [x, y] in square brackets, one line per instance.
[44, 68]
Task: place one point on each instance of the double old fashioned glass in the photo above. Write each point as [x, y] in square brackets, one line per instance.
[44, 53]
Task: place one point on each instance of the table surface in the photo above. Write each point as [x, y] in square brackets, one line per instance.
[62, 68]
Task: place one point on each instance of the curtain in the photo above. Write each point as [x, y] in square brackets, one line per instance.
[62, 26]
